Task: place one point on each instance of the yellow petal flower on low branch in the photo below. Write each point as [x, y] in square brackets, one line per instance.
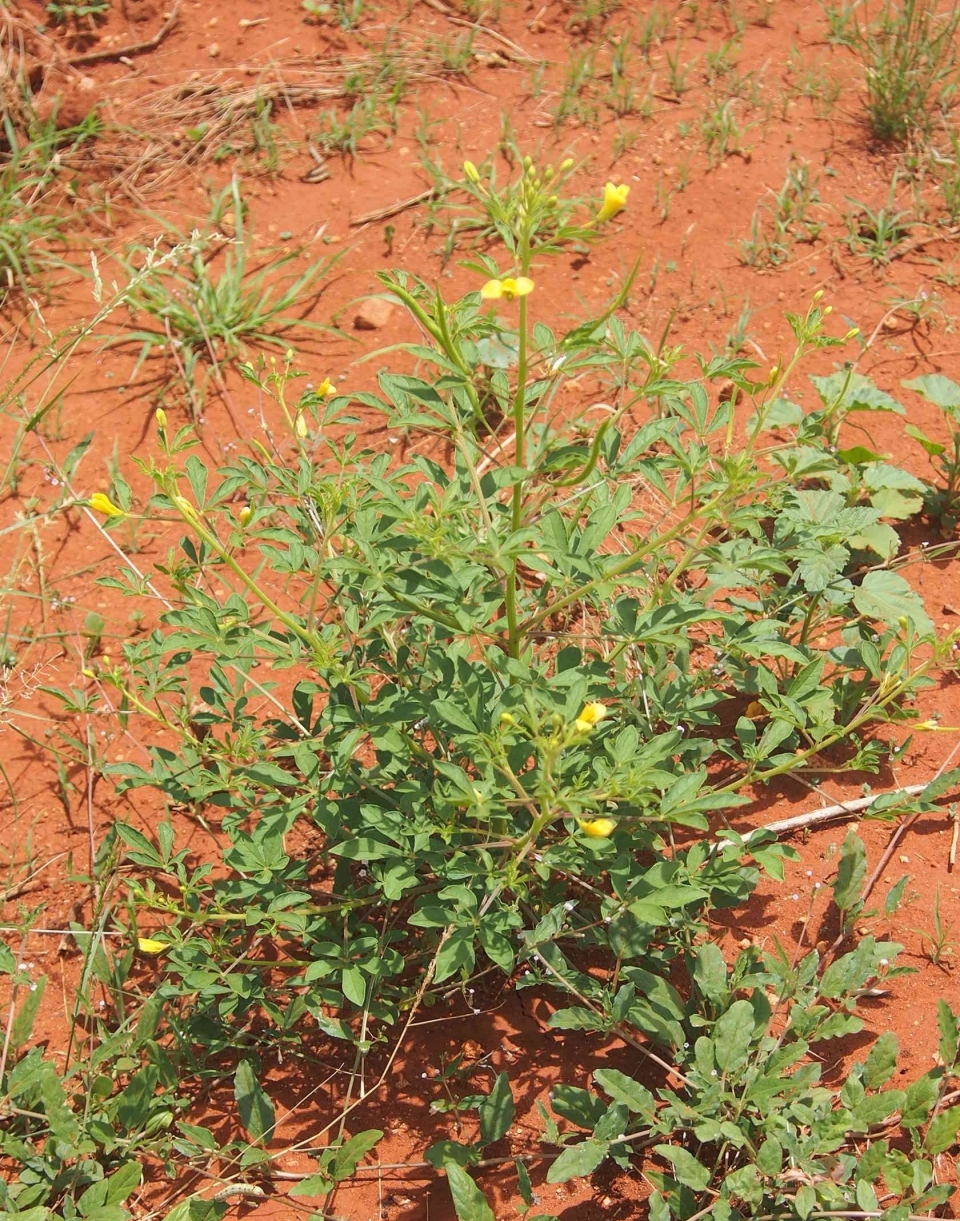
[147, 945]
[614, 201]
[597, 828]
[100, 502]
[591, 714]
[326, 387]
[508, 288]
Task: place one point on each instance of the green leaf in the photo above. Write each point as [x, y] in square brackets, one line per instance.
[612, 1125]
[196, 1208]
[343, 1162]
[468, 1200]
[686, 1169]
[579, 1106]
[949, 1033]
[851, 872]
[22, 1027]
[627, 1090]
[577, 1161]
[456, 954]
[315, 1185]
[895, 895]
[524, 1185]
[575, 1018]
[942, 1133]
[256, 1109]
[881, 1063]
[733, 1036]
[496, 1111]
[805, 1201]
[886, 596]
[770, 1157]
[937, 389]
[921, 1098]
[710, 973]
[933, 448]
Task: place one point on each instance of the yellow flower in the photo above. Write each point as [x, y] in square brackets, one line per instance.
[146, 945]
[244, 515]
[591, 714]
[597, 828]
[326, 387]
[100, 502]
[471, 172]
[161, 418]
[507, 288]
[614, 201]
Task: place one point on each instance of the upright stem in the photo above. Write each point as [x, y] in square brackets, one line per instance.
[516, 515]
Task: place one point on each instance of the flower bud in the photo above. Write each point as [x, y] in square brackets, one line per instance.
[161, 417]
[471, 172]
[244, 515]
[566, 165]
[185, 508]
[507, 718]
[100, 502]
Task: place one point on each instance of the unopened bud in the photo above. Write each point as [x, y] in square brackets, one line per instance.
[186, 508]
[566, 165]
[161, 417]
[471, 172]
[244, 515]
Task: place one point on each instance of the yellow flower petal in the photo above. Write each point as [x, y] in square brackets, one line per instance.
[614, 201]
[100, 502]
[147, 945]
[597, 828]
[326, 387]
[508, 288]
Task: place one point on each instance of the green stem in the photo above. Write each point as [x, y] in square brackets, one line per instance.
[516, 508]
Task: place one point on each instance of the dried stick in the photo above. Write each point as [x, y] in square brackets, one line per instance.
[401, 206]
[135, 48]
[813, 818]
